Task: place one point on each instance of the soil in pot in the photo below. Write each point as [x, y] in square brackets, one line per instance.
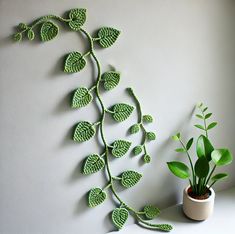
[199, 197]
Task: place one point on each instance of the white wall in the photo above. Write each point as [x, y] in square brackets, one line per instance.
[173, 53]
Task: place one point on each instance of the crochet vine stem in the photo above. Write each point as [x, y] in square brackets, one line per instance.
[104, 110]
[140, 116]
[100, 123]
[106, 146]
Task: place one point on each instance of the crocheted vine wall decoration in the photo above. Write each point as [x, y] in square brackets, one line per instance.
[85, 130]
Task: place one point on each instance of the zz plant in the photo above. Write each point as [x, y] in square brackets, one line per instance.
[85, 130]
[201, 175]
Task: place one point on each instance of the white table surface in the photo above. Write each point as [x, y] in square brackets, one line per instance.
[222, 220]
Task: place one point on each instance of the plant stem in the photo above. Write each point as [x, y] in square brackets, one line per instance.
[191, 164]
[204, 121]
[208, 179]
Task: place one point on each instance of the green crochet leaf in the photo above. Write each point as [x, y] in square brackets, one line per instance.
[96, 196]
[17, 37]
[147, 158]
[130, 178]
[119, 217]
[134, 128]
[120, 148]
[78, 18]
[107, 36]
[111, 79]
[151, 136]
[93, 164]
[137, 150]
[81, 98]
[30, 34]
[74, 62]
[147, 118]
[122, 111]
[22, 26]
[49, 31]
[84, 131]
[151, 211]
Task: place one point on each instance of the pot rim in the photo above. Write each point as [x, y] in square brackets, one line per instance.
[211, 197]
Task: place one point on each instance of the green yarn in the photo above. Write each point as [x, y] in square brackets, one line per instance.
[96, 196]
[93, 163]
[78, 18]
[147, 158]
[121, 111]
[130, 178]
[150, 136]
[49, 31]
[134, 128]
[85, 130]
[107, 36]
[142, 119]
[111, 79]
[81, 98]
[147, 119]
[137, 150]
[120, 148]
[74, 62]
[119, 217]
[151, 211]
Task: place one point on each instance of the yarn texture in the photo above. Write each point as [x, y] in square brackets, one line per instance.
[85, 130]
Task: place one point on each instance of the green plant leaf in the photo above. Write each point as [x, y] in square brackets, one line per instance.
[199, 126]
[200, 116]
[199, 104]
[211, 125]
[151, 136]
[147, 158]
[74, 62]
[49, 31]
[30, 34]
[219, 176]
[96, 196]
[81, 98]
[134, 128]
[151, 211]
[120, 148]
[189, 144]
[107, 36]
[147, 119]
[84, 131]
[222, 157]
[121, 111]
[180, 150]
[179, 169]
[207, 116]
[93, 164]
[176, 137]
[205, 109]
[204, 147]
[137, 150]
[78, 18]
[119, 217]
[130, 178]
[17, 37]
[111, 79]
[202, 167]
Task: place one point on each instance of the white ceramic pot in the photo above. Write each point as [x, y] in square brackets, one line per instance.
[198, 209]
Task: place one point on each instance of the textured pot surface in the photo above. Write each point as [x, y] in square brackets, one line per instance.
[198, 209]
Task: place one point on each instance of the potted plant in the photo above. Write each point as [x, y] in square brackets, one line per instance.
[198, 196]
